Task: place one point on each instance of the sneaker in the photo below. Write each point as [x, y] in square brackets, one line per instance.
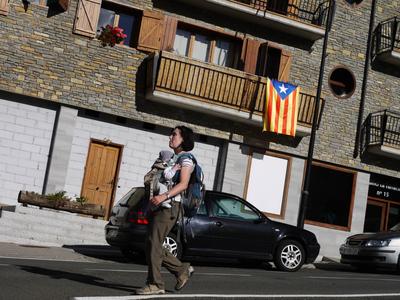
[150, 289]
[184, 278]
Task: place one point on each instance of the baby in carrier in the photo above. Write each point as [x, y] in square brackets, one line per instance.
[159, 179]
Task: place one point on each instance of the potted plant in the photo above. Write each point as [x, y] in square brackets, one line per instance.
[110, 36]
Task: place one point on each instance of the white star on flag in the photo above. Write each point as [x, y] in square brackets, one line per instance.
[283, 89]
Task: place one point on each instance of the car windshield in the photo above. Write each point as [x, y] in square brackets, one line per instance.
[395, 227]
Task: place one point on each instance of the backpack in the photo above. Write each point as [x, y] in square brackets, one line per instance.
[195, 191]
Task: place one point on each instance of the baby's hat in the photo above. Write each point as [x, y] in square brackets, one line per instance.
[166, 155]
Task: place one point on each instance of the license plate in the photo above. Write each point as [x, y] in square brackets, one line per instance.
[350, 251]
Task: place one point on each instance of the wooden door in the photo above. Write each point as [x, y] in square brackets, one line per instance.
[375, 216]
[100, 174]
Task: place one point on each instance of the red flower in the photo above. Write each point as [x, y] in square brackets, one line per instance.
[111, 35]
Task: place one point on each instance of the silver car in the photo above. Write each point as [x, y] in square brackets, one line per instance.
[381, 249]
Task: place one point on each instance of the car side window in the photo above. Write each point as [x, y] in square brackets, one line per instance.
[226, 207]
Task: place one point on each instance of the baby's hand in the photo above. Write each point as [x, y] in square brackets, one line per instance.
[176, 167]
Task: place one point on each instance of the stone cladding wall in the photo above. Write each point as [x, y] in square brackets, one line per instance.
[41, 57]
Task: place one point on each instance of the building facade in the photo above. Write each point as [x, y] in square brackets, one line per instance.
[89, 119]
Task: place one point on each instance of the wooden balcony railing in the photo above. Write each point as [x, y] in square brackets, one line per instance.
[386, 37]
[308, 11]
[381, 128]
[230, 88]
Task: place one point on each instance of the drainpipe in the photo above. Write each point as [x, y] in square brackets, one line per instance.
[305, 193]
[365, 79]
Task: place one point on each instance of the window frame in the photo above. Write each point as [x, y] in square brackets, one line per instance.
[213, 36]
[118, 8]
[351, 207]
[280, 216]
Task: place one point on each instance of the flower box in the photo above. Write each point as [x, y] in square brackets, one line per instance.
[36, 199]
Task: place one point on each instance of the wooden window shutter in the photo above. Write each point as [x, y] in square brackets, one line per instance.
[284, 67]
[170, 25]
[249, 55]
[87, 16]
[151, 31]
[4, 7]
[261, 69]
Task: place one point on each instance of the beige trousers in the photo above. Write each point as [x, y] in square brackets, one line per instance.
[161, 223]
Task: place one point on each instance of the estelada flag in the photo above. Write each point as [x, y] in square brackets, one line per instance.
[281, 107]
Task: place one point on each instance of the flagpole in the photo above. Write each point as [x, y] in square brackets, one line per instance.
[305, 192]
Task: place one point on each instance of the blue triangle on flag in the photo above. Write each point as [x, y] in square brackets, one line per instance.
[283, 88]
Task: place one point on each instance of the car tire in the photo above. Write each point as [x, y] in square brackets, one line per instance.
[289, 256]
[172, 245]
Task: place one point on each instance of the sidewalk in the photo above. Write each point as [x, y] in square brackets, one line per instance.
[81, 253]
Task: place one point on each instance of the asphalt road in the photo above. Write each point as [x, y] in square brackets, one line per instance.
[91, 277]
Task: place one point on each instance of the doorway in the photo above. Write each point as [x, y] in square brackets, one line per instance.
[101, 173]
[381, 215]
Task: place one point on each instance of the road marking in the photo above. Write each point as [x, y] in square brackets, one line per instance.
[353, 278]
[245, 296]
[4, 265]
[145, 271]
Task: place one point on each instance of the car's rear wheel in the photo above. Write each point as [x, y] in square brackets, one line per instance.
[172, 245]
[289, 256]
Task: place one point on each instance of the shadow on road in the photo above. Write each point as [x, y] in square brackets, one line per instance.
[86, 279]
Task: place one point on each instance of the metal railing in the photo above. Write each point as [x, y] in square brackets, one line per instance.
[309, 11]
[381, 128]
[221, 86]
[386, 37]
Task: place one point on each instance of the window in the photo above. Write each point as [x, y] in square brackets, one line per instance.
[273, 62]
[331, 194]
[267, 175]
[342, 82]
[231, 208]
[354, 2]
[125, 18]
[206, 46]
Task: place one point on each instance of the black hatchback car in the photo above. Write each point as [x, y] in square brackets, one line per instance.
[224, 226]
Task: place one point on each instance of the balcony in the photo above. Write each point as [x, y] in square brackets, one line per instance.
[212, 89]
[301, 18]
[386, 42]
[381, 134]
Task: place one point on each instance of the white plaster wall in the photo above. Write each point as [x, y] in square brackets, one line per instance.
[235, 169]
[140, 150]
[25, 137]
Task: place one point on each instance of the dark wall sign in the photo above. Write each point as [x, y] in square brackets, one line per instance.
[384, 187]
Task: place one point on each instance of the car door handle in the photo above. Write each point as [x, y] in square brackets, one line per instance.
[219, 224]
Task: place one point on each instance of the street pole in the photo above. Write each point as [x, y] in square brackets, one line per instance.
[365, 79]
[305, 192]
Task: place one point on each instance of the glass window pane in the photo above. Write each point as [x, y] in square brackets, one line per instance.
[181, 44]
[330, 196]
[106, 18]
[233, 209]
[222, 55]
[126, 22]
[394, 215]
[201, 47]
